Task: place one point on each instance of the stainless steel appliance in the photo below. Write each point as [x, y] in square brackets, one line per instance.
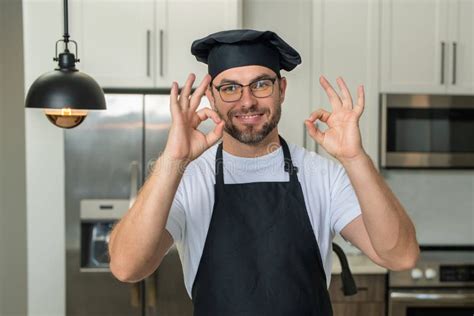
[107, 159]
[442, 284]
[427, 131]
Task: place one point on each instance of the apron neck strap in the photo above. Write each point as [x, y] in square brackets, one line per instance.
[289, 167]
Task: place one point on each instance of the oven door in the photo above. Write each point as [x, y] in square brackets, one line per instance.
[435, 302]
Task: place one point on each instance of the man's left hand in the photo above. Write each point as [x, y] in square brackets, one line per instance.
[342, 138]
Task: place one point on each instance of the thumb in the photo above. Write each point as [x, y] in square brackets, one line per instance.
[213, 136]
[314, 132]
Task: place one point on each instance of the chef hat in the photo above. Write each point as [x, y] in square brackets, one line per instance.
[236, 48]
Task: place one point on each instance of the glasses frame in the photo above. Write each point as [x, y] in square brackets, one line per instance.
[219, 87]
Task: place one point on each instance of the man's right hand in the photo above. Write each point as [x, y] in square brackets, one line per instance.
[185, 142]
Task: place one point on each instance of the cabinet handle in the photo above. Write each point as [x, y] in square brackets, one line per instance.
[442, 62]
[148, 37]
[454, 62]
[161, 53]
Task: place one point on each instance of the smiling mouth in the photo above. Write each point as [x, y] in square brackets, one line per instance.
[248, 116]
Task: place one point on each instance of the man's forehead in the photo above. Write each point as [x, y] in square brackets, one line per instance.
[244, 74]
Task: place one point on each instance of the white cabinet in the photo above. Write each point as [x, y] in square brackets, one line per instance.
[427, 46]
[146, 43]
[181, 22]
[345, 43]
[115, 46]
[461, 34]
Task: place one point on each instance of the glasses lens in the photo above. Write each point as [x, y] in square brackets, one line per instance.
[262, 88]
[230, 92]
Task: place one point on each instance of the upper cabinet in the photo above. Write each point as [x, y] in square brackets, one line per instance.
[427, 46]
[115, 45]
[147, 43]
[348, 47]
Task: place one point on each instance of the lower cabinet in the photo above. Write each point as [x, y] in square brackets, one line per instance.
[369, 300]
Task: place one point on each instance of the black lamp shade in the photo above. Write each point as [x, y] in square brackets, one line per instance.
[65, 88]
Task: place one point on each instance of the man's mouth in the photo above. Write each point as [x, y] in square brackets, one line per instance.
[249, 118]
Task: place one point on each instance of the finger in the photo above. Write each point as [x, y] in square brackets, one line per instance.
[314, 132]
[203, 115]
[199, 93]
[320, 114]
[174, 104]
[332, 94]
[186, 91]
[216, 134]
[346, 94]
[359, 108]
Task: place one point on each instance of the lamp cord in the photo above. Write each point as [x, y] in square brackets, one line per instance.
[66, 26]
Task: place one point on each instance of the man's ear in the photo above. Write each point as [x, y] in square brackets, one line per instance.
[210, 97]
[282, 87]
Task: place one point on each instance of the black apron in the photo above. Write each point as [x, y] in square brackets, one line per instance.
[260, 257]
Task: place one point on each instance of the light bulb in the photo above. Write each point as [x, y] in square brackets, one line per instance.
[66, 117]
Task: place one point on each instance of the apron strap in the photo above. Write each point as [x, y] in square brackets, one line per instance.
[289, 167]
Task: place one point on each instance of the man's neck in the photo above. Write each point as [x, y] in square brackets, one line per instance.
[236, 148]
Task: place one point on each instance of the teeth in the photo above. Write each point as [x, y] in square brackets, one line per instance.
[249, 116]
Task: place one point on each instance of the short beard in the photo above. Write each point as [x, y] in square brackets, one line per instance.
[249, 136]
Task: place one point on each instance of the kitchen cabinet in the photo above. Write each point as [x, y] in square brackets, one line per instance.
[345, 43]
[369, 300]
[147, 43]
[427, 46]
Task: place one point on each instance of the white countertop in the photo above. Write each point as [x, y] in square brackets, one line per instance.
[359, 264]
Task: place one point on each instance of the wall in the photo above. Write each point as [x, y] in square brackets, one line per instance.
[440, 203]
[44, 167]
[13, 256]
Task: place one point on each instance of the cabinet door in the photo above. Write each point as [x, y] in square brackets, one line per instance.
[116, 42]
[183, 22]
[414, 46]
[345, 44]
[461, 62]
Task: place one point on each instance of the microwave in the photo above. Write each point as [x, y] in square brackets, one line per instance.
[426, 131]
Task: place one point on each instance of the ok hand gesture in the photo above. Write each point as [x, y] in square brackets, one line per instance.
[342, 138]
[185, 142]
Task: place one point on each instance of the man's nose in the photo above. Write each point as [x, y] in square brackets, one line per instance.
[247, 99]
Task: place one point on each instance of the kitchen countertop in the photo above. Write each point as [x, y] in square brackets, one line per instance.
[359, 264]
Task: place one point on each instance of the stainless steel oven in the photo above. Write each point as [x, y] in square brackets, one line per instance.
[427, 131]
[442, 284]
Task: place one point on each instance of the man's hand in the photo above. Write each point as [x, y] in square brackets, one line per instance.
[185, 142]
[342, 138]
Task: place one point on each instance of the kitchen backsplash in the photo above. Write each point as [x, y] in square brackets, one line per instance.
[440, 202]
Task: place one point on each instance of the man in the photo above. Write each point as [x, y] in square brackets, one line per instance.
[253, 217]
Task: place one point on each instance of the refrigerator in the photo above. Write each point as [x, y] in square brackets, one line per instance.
[107, 159]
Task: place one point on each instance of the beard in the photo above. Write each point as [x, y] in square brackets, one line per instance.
[249, 134]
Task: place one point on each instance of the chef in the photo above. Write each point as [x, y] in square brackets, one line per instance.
[252, 216]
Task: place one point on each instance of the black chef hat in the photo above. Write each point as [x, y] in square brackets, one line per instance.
[236, 48]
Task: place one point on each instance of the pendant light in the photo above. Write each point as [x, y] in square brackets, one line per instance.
[65, 94]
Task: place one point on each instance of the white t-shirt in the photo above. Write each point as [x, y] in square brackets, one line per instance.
[329, 197]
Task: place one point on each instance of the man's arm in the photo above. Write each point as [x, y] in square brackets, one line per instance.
[384, 231]
[139, 241]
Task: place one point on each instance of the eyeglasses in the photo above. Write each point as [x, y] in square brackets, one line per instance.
[232, 92]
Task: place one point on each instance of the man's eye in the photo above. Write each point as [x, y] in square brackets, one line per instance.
[261, 84]
[229, 88]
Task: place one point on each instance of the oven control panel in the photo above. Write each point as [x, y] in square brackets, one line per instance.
[456, 273]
